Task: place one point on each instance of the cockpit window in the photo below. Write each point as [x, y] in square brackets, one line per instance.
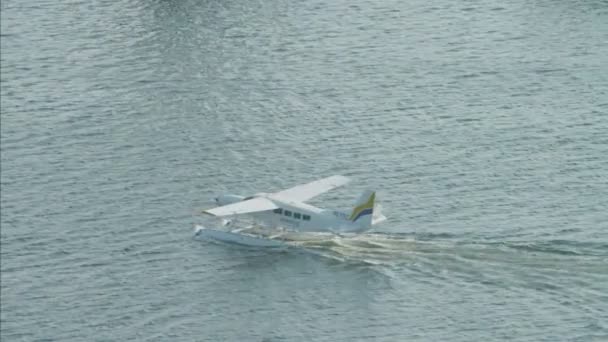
[306, 217]
[287, 213]
[278, 211]
[296, 215]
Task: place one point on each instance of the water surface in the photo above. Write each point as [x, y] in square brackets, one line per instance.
[482, 124]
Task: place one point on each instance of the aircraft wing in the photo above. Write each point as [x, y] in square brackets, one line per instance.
[307, 191]
[249, 206]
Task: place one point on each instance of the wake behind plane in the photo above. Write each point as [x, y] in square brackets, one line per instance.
[287, 210]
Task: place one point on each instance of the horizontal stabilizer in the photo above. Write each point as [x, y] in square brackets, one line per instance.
[377, 216]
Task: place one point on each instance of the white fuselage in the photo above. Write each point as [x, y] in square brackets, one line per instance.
[298, 216]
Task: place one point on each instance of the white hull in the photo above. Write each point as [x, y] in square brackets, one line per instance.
[236, 238]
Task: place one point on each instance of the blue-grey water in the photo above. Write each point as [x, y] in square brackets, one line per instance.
[482, 124]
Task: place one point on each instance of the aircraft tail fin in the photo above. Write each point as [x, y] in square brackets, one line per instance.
[363, 211]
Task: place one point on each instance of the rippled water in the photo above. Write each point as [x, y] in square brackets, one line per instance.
[482, 124]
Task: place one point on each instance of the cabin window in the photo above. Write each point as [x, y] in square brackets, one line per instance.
[287, 213]
[278, 211]
[296, 215]
[306, 217]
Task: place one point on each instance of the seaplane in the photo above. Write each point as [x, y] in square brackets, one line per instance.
[276, 215]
